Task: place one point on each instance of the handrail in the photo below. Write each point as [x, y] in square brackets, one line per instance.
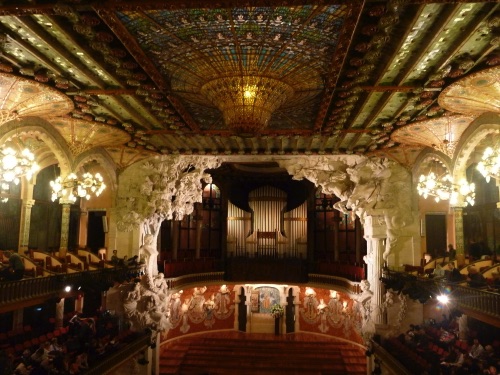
[348, 285]
[479, 300]
[388, 360]
[111, 361]
[176, 282]
[15, 292]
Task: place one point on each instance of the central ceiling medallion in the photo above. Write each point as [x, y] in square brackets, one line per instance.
[247, 102]
[245, 69]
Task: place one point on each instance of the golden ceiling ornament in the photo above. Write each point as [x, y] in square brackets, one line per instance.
[82, 135]
[442, 134]
[474, 94]
[247, 102]
[21, 97]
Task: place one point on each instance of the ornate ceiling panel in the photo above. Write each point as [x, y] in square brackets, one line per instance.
[441, 134]
[82, 135]
[474, 94]
[335, 77]
[20, 97]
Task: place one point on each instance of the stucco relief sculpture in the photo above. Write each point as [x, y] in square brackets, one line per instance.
[149, 305]
[364, 306]
[366, 186]
[163, 188]
[336, 313]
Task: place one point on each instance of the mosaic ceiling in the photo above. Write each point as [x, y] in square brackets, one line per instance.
[296, 77]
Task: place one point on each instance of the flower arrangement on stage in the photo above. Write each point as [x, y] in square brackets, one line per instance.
[277, 311]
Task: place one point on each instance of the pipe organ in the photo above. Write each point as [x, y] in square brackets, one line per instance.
[268, 230]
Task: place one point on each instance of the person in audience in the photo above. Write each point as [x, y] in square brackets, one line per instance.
[495, 282]
[38, 356]
[452, 274]
[449, 367]
[475, 279]
[476, 350]
[451, 252]
[114, 258]
[55, 347]
[15, 269]
[439, 271]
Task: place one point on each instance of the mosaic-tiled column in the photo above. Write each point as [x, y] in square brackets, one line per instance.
[459, 234]
[66, 209]
[26, 223]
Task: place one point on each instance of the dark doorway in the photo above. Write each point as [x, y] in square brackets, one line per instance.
[95, 233]
[435, 232]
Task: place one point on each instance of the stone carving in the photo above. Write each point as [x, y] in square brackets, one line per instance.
[162, 188]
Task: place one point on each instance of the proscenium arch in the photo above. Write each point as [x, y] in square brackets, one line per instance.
[486, 125]
[43, 130]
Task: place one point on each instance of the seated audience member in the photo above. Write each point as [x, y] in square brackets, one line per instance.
[114, 258]
[475, 279]
[490, 370]
[452, 274]
[438, 271]
[451, 252]
[476, 350]
[448, 365]
[495, 282]
[15, 269]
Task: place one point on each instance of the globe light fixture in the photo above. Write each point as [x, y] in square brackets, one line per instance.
[73, 187]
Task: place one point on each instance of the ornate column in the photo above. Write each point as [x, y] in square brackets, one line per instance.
[459, 234]
[63, 245]
[375, 235]
[25, 224]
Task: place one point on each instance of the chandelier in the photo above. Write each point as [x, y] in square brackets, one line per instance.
[247, 101]
[489, 166]
[16, 165]
[443, 188]
[72, 187]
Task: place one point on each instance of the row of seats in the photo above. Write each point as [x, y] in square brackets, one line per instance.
[408, 357]
[17, 349]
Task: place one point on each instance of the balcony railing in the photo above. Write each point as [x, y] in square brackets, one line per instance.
[117, 358]
[14, 293]
[478, 302]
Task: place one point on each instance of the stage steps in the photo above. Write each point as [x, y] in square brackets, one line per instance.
[247, 355]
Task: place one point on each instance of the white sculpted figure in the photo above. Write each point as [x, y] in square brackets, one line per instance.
[151, 255]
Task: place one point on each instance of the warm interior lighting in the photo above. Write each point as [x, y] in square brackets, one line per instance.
[16, 165]
[247, 102]
[443, 298]
[443, 188]
[489, 166]
[72, 186]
